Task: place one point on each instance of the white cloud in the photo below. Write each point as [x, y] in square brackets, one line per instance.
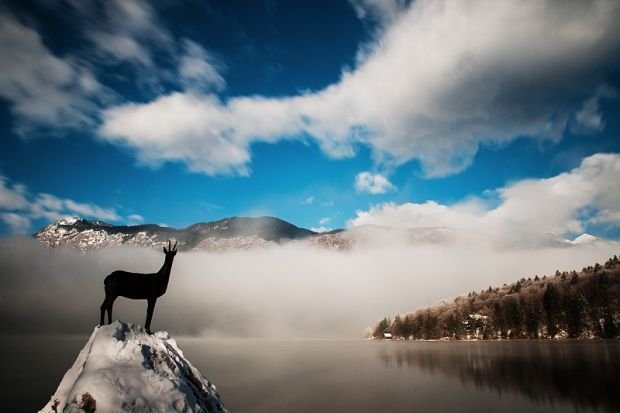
[43, 88]
[91, 210]
[441, 80]
[125, 30]
[320, 229]
[322, 225]
[12, 198]
[373, 183]
[308, 201]
[589, 119]
[381, 11]
[135, 219]
[121, 47]
[528, 209]
[199, 70]
[18, 224]
[129, 31]
[18, 208]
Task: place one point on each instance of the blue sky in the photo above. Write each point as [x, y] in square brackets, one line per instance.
[322, 113]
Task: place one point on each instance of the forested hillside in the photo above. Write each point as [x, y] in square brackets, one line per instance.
[565, 305]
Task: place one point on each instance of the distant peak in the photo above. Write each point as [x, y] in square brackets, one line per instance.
[68, 221]
[585, 239]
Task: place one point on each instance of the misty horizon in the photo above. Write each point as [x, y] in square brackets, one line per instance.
[292, 290]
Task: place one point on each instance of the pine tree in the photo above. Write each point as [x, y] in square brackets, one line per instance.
[397, 327]
[551, 304]
[381, 327]
[574, 307]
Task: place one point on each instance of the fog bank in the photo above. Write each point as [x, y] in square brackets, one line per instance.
[287, 291]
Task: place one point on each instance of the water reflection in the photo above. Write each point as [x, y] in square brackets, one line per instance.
[583, 373]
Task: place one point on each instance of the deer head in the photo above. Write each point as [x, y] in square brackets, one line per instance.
[172, 250]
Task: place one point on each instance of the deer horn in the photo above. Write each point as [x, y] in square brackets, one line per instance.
[175, 245]
[169, 245]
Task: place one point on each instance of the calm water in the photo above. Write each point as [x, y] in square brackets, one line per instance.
[360, 376]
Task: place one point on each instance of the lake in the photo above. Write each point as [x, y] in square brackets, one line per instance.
[356, 375]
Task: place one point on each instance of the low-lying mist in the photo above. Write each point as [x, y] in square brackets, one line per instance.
[290, 291]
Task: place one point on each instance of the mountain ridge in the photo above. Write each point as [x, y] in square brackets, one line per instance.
[243, 233]
[246, 232]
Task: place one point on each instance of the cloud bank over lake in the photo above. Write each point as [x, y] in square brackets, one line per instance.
[287, 291]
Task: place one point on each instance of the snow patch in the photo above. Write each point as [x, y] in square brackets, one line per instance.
[123, 369]
[585, 239]
[68, 221]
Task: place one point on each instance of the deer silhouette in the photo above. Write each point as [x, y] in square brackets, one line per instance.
[138, 286]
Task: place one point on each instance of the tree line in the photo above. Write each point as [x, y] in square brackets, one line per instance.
[565, 305]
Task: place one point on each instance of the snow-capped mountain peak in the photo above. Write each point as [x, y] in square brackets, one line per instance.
[68, 221]
[585, 239]
[226, 234]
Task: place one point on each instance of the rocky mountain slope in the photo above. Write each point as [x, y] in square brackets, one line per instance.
[242, 233]
[123, 369]
[225, 234]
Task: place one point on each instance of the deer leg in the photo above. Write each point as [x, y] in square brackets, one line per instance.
[104, 305]
[149, 314]
[110, 304]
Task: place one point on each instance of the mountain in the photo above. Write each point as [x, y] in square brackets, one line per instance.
[241, 233]
[225, 234]
[123, 369]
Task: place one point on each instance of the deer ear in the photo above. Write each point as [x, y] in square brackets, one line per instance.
[165, 250]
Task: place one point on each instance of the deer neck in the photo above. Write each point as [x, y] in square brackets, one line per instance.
[164, 272]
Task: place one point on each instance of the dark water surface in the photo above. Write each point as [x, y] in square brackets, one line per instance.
[359, 376]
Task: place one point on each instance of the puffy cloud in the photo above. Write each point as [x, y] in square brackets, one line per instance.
[527, 209]
[308, 201]
[442, 79]
[373, 183]
[43, 88]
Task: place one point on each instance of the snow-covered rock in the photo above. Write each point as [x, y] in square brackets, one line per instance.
[585, 239]
[123, 369]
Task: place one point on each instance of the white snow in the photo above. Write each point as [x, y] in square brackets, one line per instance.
[585, 239]
[68, 221]
[123, 369]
